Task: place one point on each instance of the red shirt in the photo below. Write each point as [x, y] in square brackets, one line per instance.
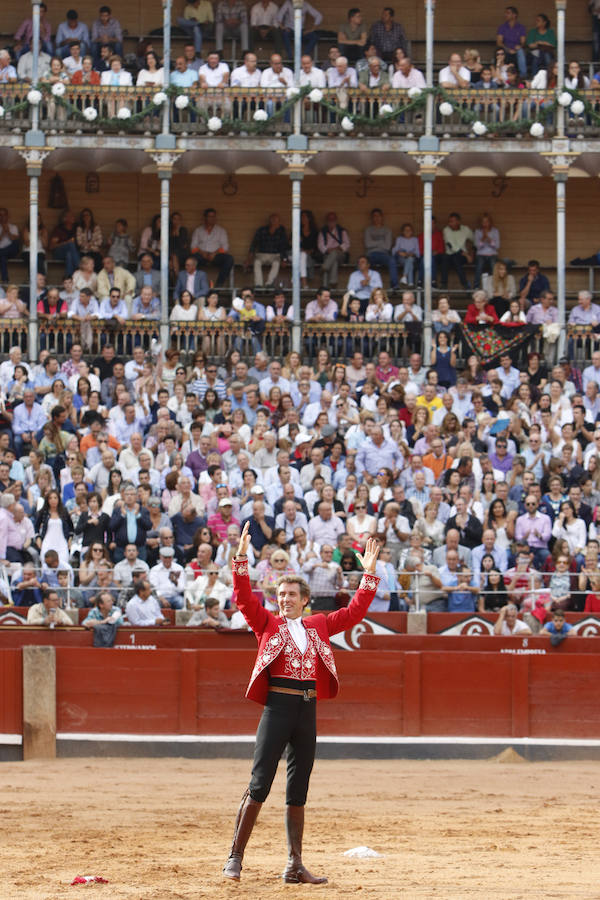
[437, 242]
[473, 312]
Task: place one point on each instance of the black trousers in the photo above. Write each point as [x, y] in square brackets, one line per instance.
[286, 720]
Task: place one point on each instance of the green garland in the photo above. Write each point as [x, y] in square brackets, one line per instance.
[543, 116]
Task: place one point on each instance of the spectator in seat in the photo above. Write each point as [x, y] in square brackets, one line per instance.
[48, 612]
[352, 35]
[387, 35]
[210, 246]
[112, 275]
[406, 250]
[264, 25]
[9, 242]
[73, 62]
[458, 241]
[191, 280]
[87, 74]
[24, 35]
[211, 616]
[535, 528]
[143, 610]
[106, 30]
[153, 74]
[585, 312]
[454, 75]
[323, 309]
[25, 65]
[167, 580]
[231, 21]
[378, 241]
[487, 244]
[183, 76]
[198, 17]
[310, 36]
[532, 285]
[248, 75]
[374, 78]
[479, 312]
[342, 75]
[270, 246]
[499, 287]
[407, 76]
[541, 44]
[72, 30]
[511, 36]
[507, 623]
[334, 245]
[214, 73]
[115, 76]
[147, 274]
[8, 73]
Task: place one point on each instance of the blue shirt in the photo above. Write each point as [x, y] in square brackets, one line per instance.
[552, 629]
[184, 79]
[28, 420]
[108, 312]
[149, 312]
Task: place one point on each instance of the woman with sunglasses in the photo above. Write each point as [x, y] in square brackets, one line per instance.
[278, 565]
[94, 557]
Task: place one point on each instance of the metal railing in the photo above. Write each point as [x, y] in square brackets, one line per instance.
[217, 339]
[504, 107]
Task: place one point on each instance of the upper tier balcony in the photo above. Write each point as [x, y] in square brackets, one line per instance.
[469, 114]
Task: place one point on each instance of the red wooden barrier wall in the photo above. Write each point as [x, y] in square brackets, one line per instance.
[483, 693]
[11, 692]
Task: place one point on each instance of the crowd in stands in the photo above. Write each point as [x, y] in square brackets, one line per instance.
[124, 482]
[113, 276]
[371, 57]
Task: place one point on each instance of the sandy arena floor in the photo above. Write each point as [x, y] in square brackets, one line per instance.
[160, 830]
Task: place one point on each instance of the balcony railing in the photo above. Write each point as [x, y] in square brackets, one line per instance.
[505, 113]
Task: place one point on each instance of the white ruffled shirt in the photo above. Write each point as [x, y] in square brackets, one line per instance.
[298, 633]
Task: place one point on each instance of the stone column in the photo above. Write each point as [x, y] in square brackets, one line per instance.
[34, 159]
[296, 160]
[429, 18]
[561, 8]
[428, 163]
[560, 162]
[164, 159]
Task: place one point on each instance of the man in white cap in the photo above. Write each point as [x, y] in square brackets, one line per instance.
[167, 580]
[223, 518]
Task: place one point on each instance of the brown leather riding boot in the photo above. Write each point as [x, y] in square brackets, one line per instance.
[295, 872]
[244, 823]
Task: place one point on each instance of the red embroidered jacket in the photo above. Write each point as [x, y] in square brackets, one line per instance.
[278, 654]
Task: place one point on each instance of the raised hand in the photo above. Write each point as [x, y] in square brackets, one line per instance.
[244, 541]
[369, 558]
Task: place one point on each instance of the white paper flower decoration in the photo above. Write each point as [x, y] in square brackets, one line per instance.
[577, 107]
[214, 123]
[414, 92]
[479, 128]
[182, 101]
[565, 98]
[90, 113]
[159, 98]
[292, 92]
[315, 95]
[347, 124]
[385, 109]
[124, 113]
[537, 130]
[1, 111]
[34, 97]
[446, 109]
[260, 115]
[58, 89]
